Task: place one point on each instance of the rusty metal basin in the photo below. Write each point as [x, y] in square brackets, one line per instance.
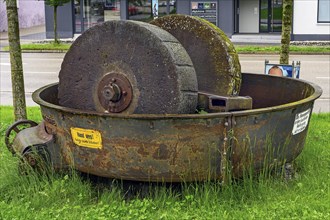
[185, 147]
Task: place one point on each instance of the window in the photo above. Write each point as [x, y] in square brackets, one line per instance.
[143, 10]
[323, 11]
[139, 10]
[91, 12]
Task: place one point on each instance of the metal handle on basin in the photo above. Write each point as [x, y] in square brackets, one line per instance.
[216, 103]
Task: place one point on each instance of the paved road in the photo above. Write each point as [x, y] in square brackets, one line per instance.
[41, 69]
[314, 68]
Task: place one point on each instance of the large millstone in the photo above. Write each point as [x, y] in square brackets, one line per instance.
[128, 67]
[212, 53]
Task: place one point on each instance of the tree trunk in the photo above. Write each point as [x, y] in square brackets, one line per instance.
[17, 78]
[286, 31]
[55, 25]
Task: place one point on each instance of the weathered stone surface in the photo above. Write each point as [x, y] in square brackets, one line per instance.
[149, 57]
[212, 53]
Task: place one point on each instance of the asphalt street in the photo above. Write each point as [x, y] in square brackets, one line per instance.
[41, 69]
[314, 68]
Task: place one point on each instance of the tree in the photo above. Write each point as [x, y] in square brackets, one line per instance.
[286, 31]
[55, 4]
[17, 78]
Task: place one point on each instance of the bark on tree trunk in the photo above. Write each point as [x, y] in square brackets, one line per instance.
[286, 31]
[55, 25]
[16, 61]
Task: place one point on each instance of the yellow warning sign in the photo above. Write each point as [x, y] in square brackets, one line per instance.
[86, 138]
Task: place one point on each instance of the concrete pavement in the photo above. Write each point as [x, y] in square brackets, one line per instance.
[27, 32]
[39, 33]
[27, 35]
[39, 70]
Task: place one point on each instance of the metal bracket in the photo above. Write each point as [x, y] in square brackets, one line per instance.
[216, 103]
[35, 142]
[30, 137]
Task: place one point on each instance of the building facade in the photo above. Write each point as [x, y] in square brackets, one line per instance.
[30, 13]
[311, 18]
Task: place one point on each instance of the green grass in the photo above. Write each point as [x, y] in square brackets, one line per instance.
[261, 49]
[44, 47]
[68, 196]
[276, 49]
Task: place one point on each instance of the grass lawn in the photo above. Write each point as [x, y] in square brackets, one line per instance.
[276, 49]
[63, 47]
[69, 196]
[261, 49]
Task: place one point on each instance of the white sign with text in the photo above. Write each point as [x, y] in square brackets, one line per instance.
[301, 122]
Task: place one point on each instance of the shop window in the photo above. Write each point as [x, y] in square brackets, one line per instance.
[91, 12]
[111, 10]
[146, 10]
[323, 11]
[166, 7]
[139, 10]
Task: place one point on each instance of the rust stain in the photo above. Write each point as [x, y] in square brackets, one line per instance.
[162, 153]
[179, 148]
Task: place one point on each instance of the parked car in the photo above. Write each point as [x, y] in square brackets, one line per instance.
[132, 10]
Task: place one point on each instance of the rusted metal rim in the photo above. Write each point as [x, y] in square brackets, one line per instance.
[317, 91]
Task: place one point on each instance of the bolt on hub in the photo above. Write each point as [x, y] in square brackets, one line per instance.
[115, 92]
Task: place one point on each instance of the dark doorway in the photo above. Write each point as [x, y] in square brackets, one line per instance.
[270, 16]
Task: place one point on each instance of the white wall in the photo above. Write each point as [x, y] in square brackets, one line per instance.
[249, 16]
[305, 18]
[30, 13]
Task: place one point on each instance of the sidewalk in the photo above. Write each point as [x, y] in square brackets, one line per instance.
[256, 39]
[38, 33]
[27, 35]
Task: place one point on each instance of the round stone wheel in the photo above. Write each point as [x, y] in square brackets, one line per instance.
[128, 67]
[212, 53]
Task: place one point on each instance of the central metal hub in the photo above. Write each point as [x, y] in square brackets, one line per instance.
[114, 92]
